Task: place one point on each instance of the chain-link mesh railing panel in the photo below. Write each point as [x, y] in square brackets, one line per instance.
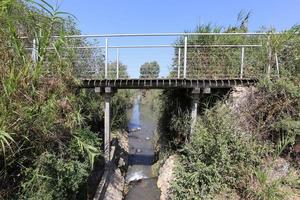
[213, 62]
[85, 60]
[88, 63]
[255, 62]
[220, 56]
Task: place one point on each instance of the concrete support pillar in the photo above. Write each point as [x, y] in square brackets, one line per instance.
[108, 93]
[195, 101]
[107, 127]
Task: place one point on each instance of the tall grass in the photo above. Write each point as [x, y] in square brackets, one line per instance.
[50, 132]
[46, 145]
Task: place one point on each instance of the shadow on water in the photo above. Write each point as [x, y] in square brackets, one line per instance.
[142, 126]
[140, 159]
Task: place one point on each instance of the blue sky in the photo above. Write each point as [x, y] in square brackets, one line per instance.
[148, 16]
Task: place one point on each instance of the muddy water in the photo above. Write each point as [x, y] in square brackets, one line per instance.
[142, 183]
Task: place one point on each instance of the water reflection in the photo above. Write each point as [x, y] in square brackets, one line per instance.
[135, 114]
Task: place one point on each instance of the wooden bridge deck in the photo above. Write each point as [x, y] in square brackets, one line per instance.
[165, 83]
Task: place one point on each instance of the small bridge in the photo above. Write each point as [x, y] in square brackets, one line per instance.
[200, 61]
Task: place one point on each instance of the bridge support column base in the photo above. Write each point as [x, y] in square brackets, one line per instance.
[195, 101]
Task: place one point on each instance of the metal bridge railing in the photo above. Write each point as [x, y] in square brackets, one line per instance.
[196, 55]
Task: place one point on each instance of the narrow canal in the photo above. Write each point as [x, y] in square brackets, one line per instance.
[140, 179]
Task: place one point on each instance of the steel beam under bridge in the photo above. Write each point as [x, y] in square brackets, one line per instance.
[165, 83]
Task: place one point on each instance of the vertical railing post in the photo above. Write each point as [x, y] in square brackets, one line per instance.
[269, 56]
[34, 53]
[179, 62]
[185, 57]
[277, 65]
[106, 58]
[117, 63]
[242, 62]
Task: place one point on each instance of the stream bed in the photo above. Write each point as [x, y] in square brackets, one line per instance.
[142, 184]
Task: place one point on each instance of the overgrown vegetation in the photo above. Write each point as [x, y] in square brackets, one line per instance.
[245, 152]
[274, 113]
[216, 158]
[48, 147]
[241, 153]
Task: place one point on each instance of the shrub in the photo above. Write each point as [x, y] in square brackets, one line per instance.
[217, 157]
[274, 112]
[53, 177]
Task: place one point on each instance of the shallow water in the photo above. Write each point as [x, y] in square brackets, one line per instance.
[145, 189]
[141, 154]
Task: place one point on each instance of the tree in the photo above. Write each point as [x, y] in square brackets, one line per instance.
[112, 70]
[149, 70]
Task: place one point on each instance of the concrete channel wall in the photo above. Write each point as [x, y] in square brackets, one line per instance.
[112, 182]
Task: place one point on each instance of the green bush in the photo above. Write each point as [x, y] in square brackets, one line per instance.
[217, 157]
[52, 177]
[59, 176]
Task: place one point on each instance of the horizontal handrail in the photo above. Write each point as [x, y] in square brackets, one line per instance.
[159, 46]
[165, 34]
